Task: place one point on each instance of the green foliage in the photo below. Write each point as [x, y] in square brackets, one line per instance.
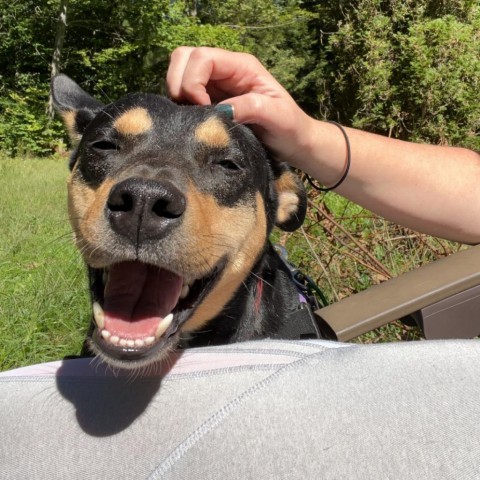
[405, 68]
[442, 58]
[24, 57]
[140, 37]
[24, 126]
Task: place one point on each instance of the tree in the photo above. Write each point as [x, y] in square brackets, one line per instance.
[406, 68]
[409, 69]
[57, 49]
[25, 48]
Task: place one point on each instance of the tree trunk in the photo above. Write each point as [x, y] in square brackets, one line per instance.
[57, 50]
[191, 8]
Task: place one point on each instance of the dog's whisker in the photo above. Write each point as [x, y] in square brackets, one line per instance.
[102, 91]
[258, 277]
[236, 125]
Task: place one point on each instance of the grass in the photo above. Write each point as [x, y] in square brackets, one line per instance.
[44, 305]
[43, 296]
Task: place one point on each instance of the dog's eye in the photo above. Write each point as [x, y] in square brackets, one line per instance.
[105, 145]
[227, 164]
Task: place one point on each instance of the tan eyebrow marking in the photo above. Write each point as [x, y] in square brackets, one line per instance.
[134, 122]
[213, 133]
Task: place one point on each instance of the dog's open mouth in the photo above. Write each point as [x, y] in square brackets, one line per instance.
[140, 307]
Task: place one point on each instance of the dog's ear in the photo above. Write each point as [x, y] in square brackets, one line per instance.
[292, 198]
[76, 107]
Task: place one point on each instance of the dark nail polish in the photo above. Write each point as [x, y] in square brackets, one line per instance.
[225, 108]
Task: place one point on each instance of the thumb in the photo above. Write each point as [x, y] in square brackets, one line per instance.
[277, 120]
[251, 108]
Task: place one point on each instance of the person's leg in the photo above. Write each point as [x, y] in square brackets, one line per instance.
[267, 409]
[397, 411]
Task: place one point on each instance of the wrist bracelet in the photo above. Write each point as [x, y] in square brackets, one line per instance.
[347, 164]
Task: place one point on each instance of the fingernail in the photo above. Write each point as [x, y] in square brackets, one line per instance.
[225, 108]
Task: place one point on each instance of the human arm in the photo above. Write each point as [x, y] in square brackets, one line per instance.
[429, 188]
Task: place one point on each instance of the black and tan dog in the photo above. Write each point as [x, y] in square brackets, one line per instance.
[171, 208]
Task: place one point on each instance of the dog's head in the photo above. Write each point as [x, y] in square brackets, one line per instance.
[171, 207]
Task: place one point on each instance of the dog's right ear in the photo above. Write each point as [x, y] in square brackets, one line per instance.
[76, 107]
[291, 197]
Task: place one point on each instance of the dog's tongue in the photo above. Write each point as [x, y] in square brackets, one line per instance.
[138, 297]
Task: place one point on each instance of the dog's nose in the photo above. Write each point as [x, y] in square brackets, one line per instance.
[143, 209]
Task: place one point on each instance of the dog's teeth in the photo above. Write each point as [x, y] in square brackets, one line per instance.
[106, 334]
[130, 343]
[185, 291]
[138, 342]
[105, 277]
[163, 325]
[98, 315]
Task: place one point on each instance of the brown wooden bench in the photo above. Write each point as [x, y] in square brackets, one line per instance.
[443, 298]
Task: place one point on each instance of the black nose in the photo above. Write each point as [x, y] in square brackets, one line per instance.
[142, 209]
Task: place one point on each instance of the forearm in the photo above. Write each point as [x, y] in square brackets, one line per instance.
[431, 189]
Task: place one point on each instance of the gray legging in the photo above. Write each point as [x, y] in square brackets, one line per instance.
[258, 410]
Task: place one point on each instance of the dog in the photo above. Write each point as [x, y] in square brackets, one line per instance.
[171, 207]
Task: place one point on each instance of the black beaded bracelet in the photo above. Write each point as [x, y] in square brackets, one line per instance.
[347, 164]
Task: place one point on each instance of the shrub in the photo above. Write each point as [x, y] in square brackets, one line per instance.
[409, 70]
[25, 128]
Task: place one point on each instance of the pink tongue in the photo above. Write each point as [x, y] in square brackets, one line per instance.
[138, 297]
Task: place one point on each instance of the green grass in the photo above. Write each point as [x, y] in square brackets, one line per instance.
[43, 297]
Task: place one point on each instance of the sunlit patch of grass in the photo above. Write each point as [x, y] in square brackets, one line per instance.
[43, 295]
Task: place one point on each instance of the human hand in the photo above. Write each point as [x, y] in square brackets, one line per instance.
[210, 75]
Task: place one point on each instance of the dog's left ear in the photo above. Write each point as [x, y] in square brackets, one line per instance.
[292, 199]
[76, 107]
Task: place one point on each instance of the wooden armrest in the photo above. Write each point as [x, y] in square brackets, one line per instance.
[453, 277]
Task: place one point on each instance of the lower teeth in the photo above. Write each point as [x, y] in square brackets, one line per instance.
[106, 334]
[138, 342]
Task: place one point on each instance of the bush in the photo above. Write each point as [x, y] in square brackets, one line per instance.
[25, 128]
[409, 70]
[405, 68]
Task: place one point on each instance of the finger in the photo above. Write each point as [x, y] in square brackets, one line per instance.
[277, 121]
[198, 79]
[216, 74]
[178, 62]
[257, 109]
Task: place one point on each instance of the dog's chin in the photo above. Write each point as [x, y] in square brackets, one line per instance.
[139, 310]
